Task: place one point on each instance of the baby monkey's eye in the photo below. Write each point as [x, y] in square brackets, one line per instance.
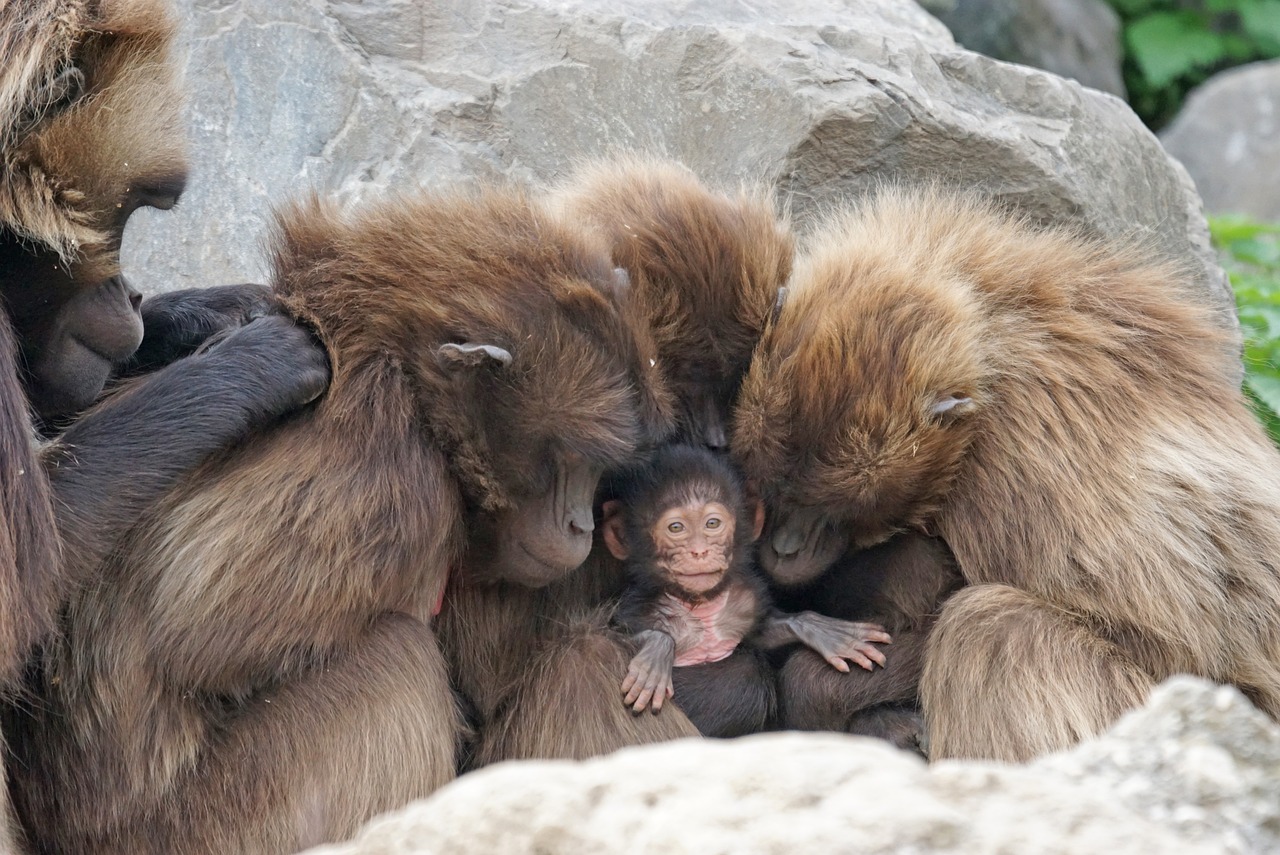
[675, 527]
[714, 522]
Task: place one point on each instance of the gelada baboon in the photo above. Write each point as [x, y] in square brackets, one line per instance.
[704, 270]
[1065, 419]
[700, 615]
[261, 674]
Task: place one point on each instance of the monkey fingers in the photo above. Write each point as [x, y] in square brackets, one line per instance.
[840, 640]
[648, 681]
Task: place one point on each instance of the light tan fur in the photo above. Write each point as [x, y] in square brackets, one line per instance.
[64, 166]
[1111, 500]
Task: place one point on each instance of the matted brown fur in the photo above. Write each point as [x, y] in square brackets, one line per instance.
[1109, 496]
[261, 675]
[705, 270]
[68, 157]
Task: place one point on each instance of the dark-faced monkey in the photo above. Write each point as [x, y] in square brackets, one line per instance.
[697, 610]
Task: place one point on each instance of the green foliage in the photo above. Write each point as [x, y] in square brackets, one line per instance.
[1174, 45]
[1250, 252]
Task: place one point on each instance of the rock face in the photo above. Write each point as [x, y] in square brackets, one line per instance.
[1195, 771]
[1228, 137]
[826, 97]
[1079, 39]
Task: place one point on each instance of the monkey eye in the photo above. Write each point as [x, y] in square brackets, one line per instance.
[675, 527]
[714, 522]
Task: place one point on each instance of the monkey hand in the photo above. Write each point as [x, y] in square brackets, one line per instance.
[838, 640]
[649, 683]
[274, 363]
[177, 323]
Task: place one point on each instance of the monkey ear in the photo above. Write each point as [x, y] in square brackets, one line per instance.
[621, 281]
[953, 405]
[757, 523]
[778, 304]
[455, 356]
[611, 526]
[755, 507]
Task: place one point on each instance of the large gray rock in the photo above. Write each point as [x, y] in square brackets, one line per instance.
[1196, 771]
[1079, 39]
[826, 97]
[1227, 135]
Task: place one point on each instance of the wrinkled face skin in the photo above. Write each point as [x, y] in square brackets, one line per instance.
[693, 545]
[544, 536]
[799, 544]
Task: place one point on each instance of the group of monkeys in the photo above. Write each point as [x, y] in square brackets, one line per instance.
[504, 473]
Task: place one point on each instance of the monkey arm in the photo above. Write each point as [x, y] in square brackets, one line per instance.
[120, 457]
[833, 639]
[648, 681]
[176, 323]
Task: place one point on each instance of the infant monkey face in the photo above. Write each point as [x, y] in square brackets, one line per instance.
[694, 544]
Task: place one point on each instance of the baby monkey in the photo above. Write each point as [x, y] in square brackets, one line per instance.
[698, 610]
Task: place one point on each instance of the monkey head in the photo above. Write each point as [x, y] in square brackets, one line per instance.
[861, 400]
[90, 131]
[683, 522]
[503, 324]
[705, 268]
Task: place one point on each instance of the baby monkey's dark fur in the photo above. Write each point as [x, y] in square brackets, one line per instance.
[723, 628]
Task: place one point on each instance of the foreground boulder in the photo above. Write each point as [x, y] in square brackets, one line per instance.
[1195, 771]
[825, 97]
[1228, 137]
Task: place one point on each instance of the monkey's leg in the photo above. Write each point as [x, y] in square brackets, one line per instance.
[816, 696]
[312, 760]
[733, 697]
[569, 703]
[1009, 677]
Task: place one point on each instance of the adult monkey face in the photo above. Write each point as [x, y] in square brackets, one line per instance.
[78, 161]
[800, 544]
[547, 534]
[545, 531]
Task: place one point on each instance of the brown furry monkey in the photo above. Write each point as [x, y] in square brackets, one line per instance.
[704, 270]
[266, 639]
[91, 131]
[698, 612]
[1063, 417]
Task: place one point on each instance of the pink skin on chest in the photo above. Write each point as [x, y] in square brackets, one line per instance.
[707, 632]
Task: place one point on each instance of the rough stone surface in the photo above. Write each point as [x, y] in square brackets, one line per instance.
[1228, 137]
[827, 97]
[1079, 39]
[1195, 771]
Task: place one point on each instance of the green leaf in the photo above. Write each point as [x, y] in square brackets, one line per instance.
[1265, 318]
[1266, 391]
[1168, 45]
[1134, 8]
[1261, 20]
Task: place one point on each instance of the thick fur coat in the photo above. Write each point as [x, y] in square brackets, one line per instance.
[1066, 420]
[265, 641]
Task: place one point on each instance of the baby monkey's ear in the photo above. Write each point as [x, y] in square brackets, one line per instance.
[611, 526]
[755, 509]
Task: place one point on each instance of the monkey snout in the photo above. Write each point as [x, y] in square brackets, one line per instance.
[788, 542]
[581, 525]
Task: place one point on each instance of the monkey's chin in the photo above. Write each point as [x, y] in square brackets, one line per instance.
[701, 584]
